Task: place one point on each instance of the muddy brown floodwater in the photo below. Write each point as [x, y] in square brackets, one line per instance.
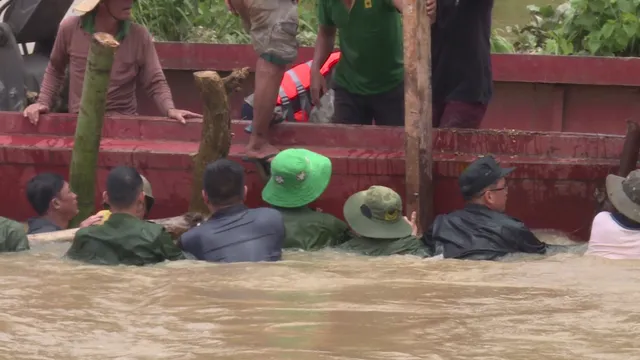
[322, 305]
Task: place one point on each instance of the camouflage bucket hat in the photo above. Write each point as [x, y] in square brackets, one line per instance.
[376, 213]
[624, 194]
[298, 177]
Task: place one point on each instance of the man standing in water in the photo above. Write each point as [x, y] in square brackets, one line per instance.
[273, 26]
[55, 203]
[461, 63]
[136, 60]
[125, 238]
[482, 231]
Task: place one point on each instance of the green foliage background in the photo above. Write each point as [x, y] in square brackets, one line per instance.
[576, 27]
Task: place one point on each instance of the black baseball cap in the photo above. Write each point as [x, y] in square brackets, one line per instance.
[479, 174]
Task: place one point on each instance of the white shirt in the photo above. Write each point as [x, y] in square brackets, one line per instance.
[612, 240]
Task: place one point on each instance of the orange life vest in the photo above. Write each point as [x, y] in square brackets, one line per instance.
[294, 89]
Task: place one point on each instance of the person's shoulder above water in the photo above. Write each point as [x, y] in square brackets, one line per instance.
[124, 239]
[13, 238]
[41, 225]
[408, 245]
[310, 229]
[237, 234]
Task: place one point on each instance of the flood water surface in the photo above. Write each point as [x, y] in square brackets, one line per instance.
[322, 305]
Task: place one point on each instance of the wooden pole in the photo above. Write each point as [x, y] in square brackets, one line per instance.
[630, 149]
[215, 140]
[628, 163]
[176, 226]
[418, 113]
[86, 146]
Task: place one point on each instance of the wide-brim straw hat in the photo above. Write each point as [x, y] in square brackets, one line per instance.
[81, 7]
[624, 194]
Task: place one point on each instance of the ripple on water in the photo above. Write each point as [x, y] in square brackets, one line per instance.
[322, 305]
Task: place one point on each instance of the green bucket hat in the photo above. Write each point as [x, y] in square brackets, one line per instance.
[376, 213]
[298, 177]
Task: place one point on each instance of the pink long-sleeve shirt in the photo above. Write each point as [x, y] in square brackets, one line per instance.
[135, 60]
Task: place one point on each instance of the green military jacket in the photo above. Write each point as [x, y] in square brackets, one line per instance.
[409, 245]
[308, 229]
[12, 236]
[124, 239]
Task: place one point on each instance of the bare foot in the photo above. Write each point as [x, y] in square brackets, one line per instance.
[261, 152]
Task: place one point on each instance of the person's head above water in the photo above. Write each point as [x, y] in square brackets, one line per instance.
[50, 196]
[483, 182]
[624, 194]
[125, 192]
[117, 9]
[223, 183]
[298, 177]
[376, 213]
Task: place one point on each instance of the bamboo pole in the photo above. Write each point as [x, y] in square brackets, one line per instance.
[86, 146]
[418, 113]
[215, 140]
[176, 226]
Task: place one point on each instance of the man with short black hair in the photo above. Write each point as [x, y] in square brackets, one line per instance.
[482, 231]
[233, 233]
[54, 202]
[124, 238]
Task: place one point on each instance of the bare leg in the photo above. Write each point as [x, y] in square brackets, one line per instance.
[268, 78]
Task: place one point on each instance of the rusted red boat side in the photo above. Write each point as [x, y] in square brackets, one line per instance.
[552, 187]
[531, 92]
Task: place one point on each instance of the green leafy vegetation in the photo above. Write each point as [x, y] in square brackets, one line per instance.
[208, 21]
[581, 27]
[577, 27]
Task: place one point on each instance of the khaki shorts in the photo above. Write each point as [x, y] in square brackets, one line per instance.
[273, 26]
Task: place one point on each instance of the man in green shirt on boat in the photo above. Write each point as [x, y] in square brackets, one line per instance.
[378, 226]
[299, 177]
[369, 78]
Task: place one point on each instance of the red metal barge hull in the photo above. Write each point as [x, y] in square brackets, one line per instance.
[531, 92]
[552, 188]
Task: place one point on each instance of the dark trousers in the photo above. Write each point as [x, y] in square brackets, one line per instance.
[386, 109]
[458, 114]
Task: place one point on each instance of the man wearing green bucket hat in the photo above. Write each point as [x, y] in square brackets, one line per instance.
[375, 216]
[299, 177]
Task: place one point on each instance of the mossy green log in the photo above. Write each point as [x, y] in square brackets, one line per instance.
[86, 146]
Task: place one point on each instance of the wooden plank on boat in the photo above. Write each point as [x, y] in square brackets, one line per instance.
[418, 114]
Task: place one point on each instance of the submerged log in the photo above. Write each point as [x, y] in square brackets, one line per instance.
[176, 226]
[215, 140]
[86, 146]
[418, 113]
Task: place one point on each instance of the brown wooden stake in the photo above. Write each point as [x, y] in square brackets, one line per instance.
[176, 226]
[418, 113]
[630, 150]
[628, 163]
[216, 126]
